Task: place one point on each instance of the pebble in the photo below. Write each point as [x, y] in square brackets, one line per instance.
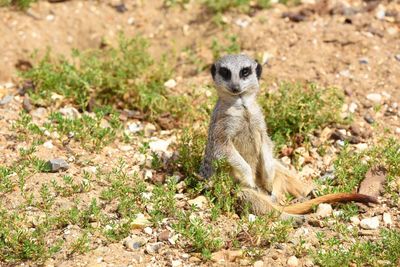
[5, 100]
[252, 217]
[266, 58]
[375, 97]
[171, 83]
[48, 144]
[355, 220]
[153, 248]
[131, 21]
[368, 118]
[148, 230]
[164, 235]
[353, 107]
[397, 131]
[134, 242]
[140, 222]
[361, 147]
[26, 104]
[159, 145]
[70, 112]
[370, 223]
[176, 263]
[387, 219]
[363, 60]
[397, 57]
[293, 261]
[200, 202]
[242, 23]
[258, 264]
[57, 165]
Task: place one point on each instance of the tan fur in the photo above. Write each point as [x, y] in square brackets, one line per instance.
[238, 133]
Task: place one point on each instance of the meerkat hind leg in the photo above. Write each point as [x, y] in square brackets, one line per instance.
[261, 204]
[286, 181]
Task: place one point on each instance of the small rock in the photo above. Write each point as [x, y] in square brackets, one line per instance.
[120, 8]
[352, 107]
[368, 118]
[363, 60]
[397, 57]
[5, 100]
[171, 83]
[243, 23]
[370, 223]
[140, 222]
[387, 219]
[293, 261]
[48, 144]
[159, 145]
[153, 248]
[176, 263]
[375, 97]
[70, 112]
[252, 217]
[361, 147]
[134, 242]
[354, 220]
[134, 127]
[164, 235]
[148, 230]
[26, 104]
[58, 165]
[131, 21]
[172, 240]
[200, 202]
[324, 210]
[380, 13]
[258, 264]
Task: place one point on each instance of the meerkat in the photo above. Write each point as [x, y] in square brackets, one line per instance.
[238, 134]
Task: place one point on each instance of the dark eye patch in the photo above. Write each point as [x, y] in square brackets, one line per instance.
[225, 73]
[245, 72]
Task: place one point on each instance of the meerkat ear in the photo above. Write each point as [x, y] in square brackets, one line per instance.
[213, 70]
[258, 70]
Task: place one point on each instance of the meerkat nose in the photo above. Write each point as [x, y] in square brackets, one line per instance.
[235, 88]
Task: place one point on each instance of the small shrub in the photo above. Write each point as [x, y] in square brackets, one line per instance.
[297, 110]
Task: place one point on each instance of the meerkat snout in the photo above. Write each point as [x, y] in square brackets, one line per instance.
[238, 78]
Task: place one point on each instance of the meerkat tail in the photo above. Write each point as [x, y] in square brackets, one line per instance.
[306, 207]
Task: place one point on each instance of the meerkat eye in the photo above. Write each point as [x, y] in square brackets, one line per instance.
[245, 72]
[225, 73]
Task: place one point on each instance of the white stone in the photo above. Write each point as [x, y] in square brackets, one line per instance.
[397, 130]
[370, 223]
[380, 13]
[176, 263]
[50, 17]
[148, 230]
[171, 83]
[70, 112]
[293, 261]
[324, 210]
[134, 127]
[375, 97]
[159, 145]
[148, 174]
[48, 144]
[252, 217]
[258, 264]
[361, 147]
[353, 107]
[387, 219]
[131, 21]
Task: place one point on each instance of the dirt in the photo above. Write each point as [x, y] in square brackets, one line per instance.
[331, 43]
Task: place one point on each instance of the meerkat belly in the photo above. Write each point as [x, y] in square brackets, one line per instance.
[247, 141]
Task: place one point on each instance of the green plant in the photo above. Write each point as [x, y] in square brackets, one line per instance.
[296, 110]
[228, 46]
[20, 4]
[202, 238]
[123, 76]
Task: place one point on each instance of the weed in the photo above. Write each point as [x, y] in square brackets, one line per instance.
[163, 200]
[351, 167]
[123, 76]
[20, 4]
[361, 253]
[202, 238]
[297, 110]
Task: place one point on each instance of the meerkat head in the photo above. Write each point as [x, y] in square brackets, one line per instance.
[236, 74]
